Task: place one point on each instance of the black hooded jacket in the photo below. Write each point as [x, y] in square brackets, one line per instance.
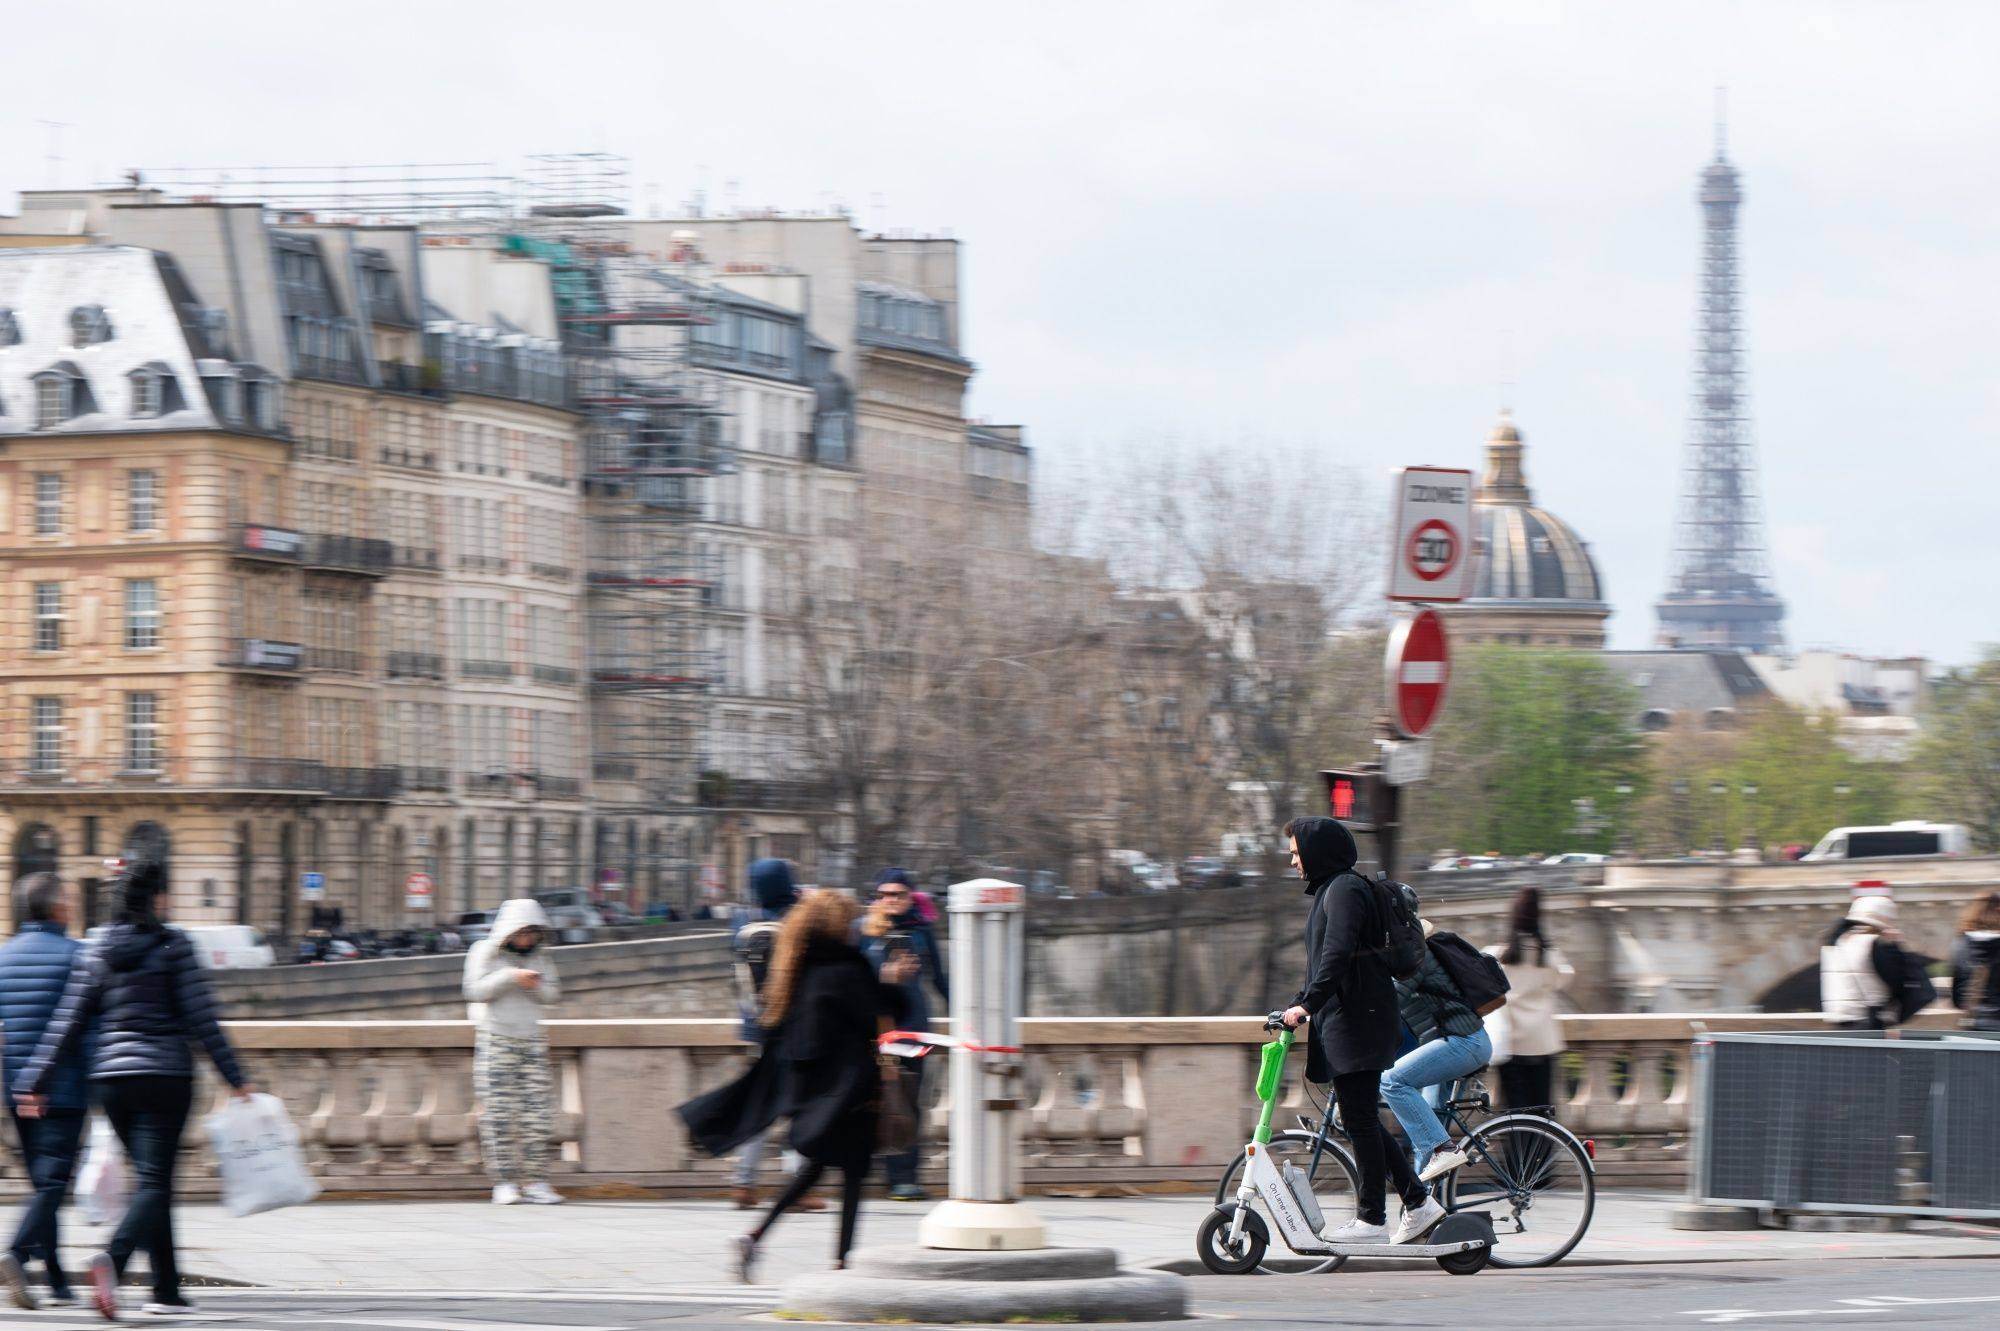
[145, 989]
[1348, 990]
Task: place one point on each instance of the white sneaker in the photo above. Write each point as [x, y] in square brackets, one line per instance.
[1357, 1230]
[1442, 1161]
[1419, 1222]
[541, 1194]
[181, 1309]
[505, 1194]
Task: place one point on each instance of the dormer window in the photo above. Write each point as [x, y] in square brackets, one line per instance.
[89, 325]
[145, 393]
[51, 400]
[61, 394]
[218, 384]
[156, 391]
[262, 407]
[10, 328]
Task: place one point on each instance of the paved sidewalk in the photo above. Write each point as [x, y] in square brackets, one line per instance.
[662, 1246]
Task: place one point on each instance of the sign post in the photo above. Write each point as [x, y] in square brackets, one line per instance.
[417, 889]
[312, 887]
[988, 949]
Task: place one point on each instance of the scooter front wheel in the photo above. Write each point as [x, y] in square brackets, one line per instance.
[1212, 1245]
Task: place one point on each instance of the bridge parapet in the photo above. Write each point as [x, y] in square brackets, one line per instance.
[1117, 1104]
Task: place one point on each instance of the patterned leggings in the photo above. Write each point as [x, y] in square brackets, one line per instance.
[516, 1093]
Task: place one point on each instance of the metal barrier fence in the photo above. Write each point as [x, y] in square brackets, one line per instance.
[1849, 1121]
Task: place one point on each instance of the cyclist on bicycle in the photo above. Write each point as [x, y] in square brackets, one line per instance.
[1451, 1043]
[1350, 998]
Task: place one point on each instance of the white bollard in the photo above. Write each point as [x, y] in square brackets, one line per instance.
[988, 1081]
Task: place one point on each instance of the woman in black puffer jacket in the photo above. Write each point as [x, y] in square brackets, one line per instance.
[143, 988]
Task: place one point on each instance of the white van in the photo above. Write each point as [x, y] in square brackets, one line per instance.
[224, 947]
[1914, 837]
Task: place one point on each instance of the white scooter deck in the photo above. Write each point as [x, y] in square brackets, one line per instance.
[1393, 1249]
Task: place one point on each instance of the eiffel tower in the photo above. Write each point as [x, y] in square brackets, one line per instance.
[1720, 594]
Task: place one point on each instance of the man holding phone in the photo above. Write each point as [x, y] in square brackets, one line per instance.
[894, 928]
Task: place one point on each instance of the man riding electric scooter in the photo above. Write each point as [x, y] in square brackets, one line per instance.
[1349, 998]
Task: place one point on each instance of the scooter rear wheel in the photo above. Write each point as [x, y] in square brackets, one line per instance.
[1467, 1263]
[1211, 1242]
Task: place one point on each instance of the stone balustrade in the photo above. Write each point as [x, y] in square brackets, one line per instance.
[1115, 1104]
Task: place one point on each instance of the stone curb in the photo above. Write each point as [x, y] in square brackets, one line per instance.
[847, 1296]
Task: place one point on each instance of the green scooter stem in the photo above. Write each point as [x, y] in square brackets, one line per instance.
[1270, 1075]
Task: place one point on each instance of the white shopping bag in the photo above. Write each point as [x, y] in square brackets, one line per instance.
[101, 1185]
[257, 1153]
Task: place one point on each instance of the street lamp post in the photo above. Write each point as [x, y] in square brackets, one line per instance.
[1721, 794]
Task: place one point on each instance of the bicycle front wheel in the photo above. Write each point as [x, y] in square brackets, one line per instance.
[1536, 1184]
[1334, 1184]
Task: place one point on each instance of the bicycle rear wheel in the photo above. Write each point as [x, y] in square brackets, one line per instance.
[1334, 1183]
[1536, 1184]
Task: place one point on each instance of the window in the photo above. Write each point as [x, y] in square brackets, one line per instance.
[51, 401]
[142, 732]
[48, 616]
[47, 754]
[89, 325]
[142, 614]
[48, 503]
[142, 500]
[10, 328]
[145, 393]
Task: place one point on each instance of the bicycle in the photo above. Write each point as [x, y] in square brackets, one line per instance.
[1518, 1162]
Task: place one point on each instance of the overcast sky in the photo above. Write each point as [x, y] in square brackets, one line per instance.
[1329, 226]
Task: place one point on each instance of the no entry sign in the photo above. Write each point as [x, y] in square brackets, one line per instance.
[1431, 559]
[1417, 670]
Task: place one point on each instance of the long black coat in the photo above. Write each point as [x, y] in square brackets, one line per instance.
[1348, 990]
[818, 1066]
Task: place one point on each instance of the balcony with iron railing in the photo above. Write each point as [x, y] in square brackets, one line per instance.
[398, 377]
[308, 776]
[415, 665]
[554, 674]
[410, 559]
[365, 555]
[426, 778]
[486, 669]
[345, 660]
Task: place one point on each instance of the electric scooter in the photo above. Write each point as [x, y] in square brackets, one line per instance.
[1235, 1236]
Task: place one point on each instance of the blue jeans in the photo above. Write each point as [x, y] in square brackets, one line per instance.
[49, 1146]
[1415, 1085]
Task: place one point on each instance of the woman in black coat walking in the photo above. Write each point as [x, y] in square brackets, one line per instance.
[823, 1007]
[143, 988]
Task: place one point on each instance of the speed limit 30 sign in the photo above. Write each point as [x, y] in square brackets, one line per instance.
[1431, 559]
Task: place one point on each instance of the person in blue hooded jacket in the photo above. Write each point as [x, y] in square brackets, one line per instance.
[35, 968]
[894, 925]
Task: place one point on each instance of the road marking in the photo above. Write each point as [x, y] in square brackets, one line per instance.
[1875, 1304]
[416, 1325]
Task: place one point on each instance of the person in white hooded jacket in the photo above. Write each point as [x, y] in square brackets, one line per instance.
[509, 978]
[1861, 967]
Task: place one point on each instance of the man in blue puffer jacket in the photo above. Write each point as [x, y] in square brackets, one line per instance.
[35, 968]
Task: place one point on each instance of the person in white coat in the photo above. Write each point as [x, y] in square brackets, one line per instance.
[509, 978]
[1526, 1038]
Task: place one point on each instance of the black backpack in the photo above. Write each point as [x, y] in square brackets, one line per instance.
[1479, 978]
[1402, 947]
[754, 944]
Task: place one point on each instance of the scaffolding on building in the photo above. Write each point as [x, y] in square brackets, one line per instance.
[653, 441]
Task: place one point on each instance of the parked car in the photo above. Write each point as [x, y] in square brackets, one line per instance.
[617, 913]
[473, 925]
[225, 947]
[1577, 857]
[661, 912]
[1468, 864]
